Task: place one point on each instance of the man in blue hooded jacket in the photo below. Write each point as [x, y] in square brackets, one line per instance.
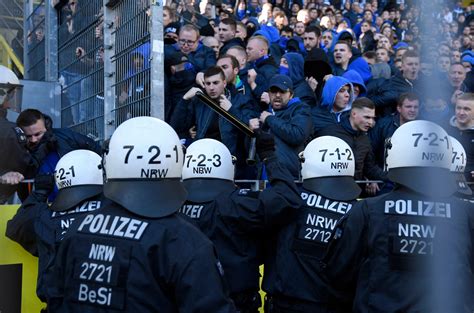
[292, 65]
[360, 90]
[337, 98]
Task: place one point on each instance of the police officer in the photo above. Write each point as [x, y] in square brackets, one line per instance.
[292, 281]
[40, 228]
[409, 250]
[237, 219]
[15, 161]
[458, 167]
[136, 254]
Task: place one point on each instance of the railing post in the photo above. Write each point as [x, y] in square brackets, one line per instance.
[157, 96]
[109, 71]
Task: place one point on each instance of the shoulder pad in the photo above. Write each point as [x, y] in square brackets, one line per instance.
[248, 193]
[20, 135]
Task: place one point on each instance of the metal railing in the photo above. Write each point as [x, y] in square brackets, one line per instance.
[9, 58]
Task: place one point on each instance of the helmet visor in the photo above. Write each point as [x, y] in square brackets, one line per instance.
[11, 96]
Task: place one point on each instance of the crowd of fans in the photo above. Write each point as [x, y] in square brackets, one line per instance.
[358, 69]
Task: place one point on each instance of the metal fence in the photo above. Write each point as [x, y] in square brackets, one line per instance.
[35, 41]
[132, 60]
[104, 61]
[81, 66]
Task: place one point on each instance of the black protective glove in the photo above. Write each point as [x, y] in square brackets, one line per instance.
[47, 144]
[265, 144]
[44, 185]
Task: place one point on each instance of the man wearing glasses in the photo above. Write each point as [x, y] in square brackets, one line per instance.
[198, 54]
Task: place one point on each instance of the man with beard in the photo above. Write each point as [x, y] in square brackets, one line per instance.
[311, 37]
[47, 144]
[288, 119]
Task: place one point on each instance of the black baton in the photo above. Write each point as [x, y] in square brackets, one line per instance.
[234, 121]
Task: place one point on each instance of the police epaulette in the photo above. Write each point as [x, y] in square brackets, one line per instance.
[248, 193]
[20, 135]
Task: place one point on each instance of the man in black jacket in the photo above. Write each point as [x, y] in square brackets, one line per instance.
[193, 120]
[353, 130]
[227, 30]
[47, 144]
[407, 110]
[155, 260]
[385, 98]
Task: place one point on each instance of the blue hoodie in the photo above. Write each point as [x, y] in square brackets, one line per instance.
[361, 66]
[295, 66]
[324, 115]
[355, 78]
[301, 88]
[330, 90]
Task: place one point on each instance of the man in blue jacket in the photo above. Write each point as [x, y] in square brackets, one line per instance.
[263, 66]
[292, 65]
[288, 119]
[200, 56]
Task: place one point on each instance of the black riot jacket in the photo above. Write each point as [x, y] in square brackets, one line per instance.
[14, 156]
[407, 253]
[236, 219]
[39, 231]
[115, 261]
[292, 269]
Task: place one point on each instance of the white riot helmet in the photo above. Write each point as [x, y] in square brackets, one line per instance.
[418, 155]
[458, 166]
[208, 170]
[78, 176]
[143, 167]
[11, 90]
[328, 168]
[208, 158]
